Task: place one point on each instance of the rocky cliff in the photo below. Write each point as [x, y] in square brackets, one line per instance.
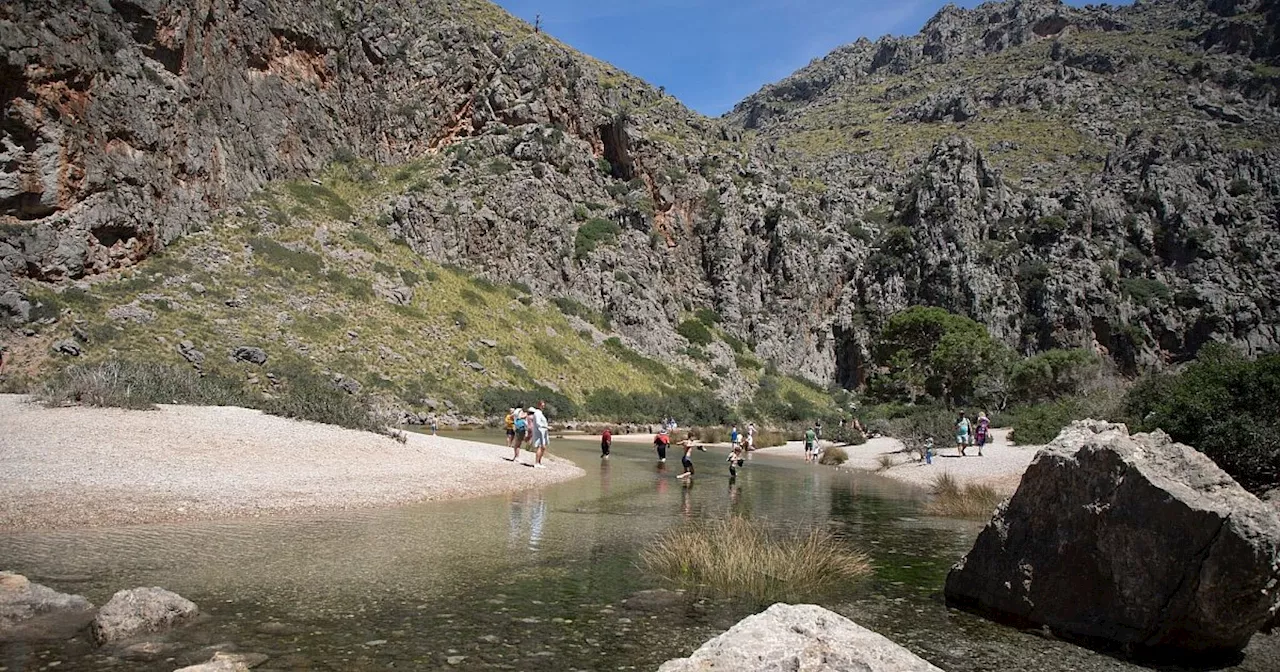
[1099, 176]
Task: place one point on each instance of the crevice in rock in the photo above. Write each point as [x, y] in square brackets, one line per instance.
[1050, 26]
[613, 136]
[109, 235]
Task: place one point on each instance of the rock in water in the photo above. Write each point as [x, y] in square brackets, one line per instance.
[30, 612]
[1136, 541]
[799, 638]
[140, 611]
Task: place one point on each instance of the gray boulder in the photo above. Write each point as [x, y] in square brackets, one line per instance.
[228, 662]
[252, 355]
[30, 612]
[799, 638]
[1134, 541]
[141, 611]
[68, 347]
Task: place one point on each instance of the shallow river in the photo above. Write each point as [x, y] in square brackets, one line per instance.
[528, 581]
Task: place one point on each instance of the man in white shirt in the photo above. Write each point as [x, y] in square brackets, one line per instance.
[541, 435]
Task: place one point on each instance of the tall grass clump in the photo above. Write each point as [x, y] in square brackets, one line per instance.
[834, 456]
[743, 558]
[962, 501]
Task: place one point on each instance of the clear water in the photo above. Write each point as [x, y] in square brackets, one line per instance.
[529, 581]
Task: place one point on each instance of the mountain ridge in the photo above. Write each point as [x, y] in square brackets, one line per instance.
[1036, 188]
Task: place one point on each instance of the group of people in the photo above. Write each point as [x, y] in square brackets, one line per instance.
[975, 433]
[528, 428]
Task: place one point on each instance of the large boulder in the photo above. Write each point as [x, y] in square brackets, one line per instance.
[799, 638]
[31, 612]
[140, 611]
[1132, 541]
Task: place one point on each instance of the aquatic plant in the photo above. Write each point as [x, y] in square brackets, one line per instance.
[954, 500]
[885, 462]
[739, 557]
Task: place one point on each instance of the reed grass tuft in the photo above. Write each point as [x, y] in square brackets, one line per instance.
[743, 558]
[962, 501]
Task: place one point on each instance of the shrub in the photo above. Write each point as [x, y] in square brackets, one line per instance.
[573, 308]
[695, 332]
[968, 501]
[1036, 424]
[696, 407]
[930, 352]
[747, 362]
[364, 241]
[707, 316]
[1222, 405]
[836, 456]
[619, 350]
[278, 255]
[1145, 291]
[743, 558]
[320, 198]
[593, 233]
[1054, 374]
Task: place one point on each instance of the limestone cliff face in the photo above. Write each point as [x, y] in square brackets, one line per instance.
[1051, 171]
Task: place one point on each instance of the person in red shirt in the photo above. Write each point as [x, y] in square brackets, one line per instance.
[606, 442]
[660, 442]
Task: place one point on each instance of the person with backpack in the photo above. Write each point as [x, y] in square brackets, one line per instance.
[541, 435]
[520, 424]
[810, 444]
[983, 431]
[660, 443]
[606, 443]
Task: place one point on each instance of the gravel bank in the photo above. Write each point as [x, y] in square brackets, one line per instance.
[1001, 465]
[75, 467]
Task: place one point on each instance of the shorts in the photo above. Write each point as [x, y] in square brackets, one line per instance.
[511, 433]
[688, 463]
[541, 438]
[962, 439]
[519, 436]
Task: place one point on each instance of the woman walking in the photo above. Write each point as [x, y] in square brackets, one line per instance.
[983, 431]
[962, 433]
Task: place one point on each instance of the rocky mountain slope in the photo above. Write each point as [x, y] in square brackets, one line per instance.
[1100, 176]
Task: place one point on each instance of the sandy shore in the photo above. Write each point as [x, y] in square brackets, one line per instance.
[1001, 465]
[73, 467]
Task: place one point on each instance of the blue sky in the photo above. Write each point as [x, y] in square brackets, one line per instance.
[713, 53]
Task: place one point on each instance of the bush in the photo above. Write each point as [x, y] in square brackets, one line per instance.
[707, 316]
[1146, 291]
[305, 395]
[1037, 424]
[1222, 405]
[743, 558]
[834, 456]
[694, 407]
[594, 232]
[1054, 374]
[616, 348]
[695, 332]
[932, 353]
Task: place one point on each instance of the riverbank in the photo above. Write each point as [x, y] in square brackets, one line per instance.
[1001, 465]
[79, 466]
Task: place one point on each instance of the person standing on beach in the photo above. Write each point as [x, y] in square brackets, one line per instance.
[733, 437]
[509, 424]
[810, 442]
[660, 443]
[983, 431]
[751, 436]
[541, 436]
[606, 443]
[962, 432]
[520, 425]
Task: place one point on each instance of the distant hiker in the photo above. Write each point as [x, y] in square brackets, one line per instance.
[541, 436]
[537, 24]
[509, 424]
[983, 431]
[606, 443]
[687, 460]
[660, 443]
[751, 436]
[520, 425]
[928, 450]
[433, 426]
[962, 433]
[734, 438]
[810, 441]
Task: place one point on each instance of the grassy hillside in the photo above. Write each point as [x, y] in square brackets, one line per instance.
[307, 272]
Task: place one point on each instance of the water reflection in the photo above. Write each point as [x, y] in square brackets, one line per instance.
[526, 513]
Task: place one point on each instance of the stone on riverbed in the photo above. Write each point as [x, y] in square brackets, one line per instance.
[30, 612]
[799, 638]
[141, 611]
[228, 662]
[1132, 541]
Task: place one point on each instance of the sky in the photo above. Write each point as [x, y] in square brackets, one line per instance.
[713, 53]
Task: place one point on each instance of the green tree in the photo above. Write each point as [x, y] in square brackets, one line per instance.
[1055, 374]
[1225, 406]
[931, 352]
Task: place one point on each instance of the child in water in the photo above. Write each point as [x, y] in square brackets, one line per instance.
[735, 459]
[687, 460]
